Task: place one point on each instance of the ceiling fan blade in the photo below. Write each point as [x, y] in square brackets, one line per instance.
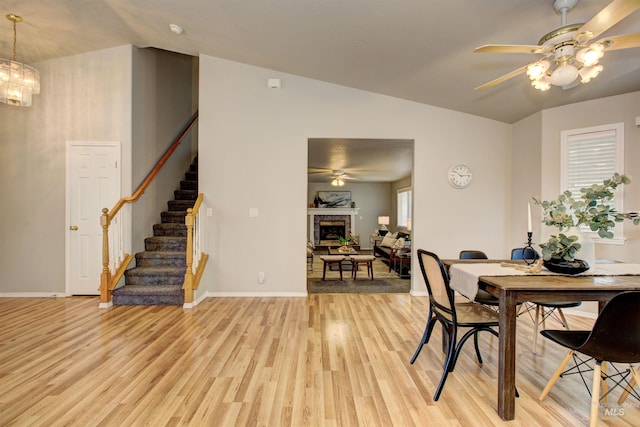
[613, 13]
[512, 48]
[502, 78]
[625, 41]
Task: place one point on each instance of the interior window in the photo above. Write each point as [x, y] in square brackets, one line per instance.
[589, 156]
[404, 206]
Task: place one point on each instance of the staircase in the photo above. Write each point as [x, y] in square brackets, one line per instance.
[159, 273]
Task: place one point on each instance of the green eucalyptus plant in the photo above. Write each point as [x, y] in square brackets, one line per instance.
[591, 208]
[560, 247]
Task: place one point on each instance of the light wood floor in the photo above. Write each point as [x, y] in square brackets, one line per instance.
[326, 360]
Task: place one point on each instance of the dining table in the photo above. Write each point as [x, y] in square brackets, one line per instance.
[511, 286]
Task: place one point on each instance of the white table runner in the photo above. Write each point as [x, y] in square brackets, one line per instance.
[464, 277]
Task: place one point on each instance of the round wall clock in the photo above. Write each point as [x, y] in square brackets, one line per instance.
[460, 176]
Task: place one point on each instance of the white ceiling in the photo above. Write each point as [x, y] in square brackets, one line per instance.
[419, 50]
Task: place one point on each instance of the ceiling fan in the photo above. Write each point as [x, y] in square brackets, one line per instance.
[337, 177]
[570, 51]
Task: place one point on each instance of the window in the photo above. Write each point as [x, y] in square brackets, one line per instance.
[404, 206]
[589, 156]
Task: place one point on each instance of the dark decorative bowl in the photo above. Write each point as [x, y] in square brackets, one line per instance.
[570, 268]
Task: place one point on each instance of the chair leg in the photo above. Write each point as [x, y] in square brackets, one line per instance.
[563, 319]
[324, 269]
[354, 269]
[425, 336]
[556, 375]
[535, 329]
[340, 268]
[475, 344]
[451, 356]
[603, 382]
[635, 372]
[595, 395]
[370, 267]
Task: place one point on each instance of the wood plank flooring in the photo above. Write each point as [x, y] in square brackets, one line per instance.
[326, 360]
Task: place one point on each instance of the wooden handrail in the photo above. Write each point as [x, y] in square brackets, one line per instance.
[156, 169]
[107, 282]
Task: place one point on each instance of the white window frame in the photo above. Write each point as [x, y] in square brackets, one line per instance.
[404, 214]
[569, 138]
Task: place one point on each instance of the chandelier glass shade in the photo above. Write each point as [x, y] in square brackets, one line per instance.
[18, 81]
[337, 182]
[566, 66]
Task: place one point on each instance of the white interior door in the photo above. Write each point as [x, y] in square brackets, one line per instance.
[93, 183]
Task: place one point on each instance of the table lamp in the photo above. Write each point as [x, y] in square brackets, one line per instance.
[383, 221]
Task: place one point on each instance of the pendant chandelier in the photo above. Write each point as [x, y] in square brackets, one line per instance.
[18, 81]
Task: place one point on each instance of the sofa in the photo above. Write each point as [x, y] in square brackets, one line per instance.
[389, 244]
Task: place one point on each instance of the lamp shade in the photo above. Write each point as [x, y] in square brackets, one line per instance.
[383, 220]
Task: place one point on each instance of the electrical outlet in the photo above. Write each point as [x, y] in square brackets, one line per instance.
[261, 277]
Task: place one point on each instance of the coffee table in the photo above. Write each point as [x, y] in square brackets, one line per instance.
[337, 251]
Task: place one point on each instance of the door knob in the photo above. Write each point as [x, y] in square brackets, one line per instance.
[73, 227]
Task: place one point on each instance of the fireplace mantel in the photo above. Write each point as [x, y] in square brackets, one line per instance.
[312, 212]
[332, 211]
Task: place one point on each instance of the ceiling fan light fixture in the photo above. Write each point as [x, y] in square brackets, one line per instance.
[590, 55]
[564, 74]
[538, 69]
[542, 84]
[589, 73]
[337, 182]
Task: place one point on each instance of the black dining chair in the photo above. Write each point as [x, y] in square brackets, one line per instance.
[543, 310]
[615, 338]
[442, 308]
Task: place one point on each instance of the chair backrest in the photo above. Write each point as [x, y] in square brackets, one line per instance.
[615, 336]
[469, 254]
[524, 253]
[437, 281]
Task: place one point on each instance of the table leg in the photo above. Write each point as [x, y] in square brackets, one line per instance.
[507, 356]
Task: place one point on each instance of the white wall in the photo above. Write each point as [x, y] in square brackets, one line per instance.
[622, 108]
[84, 97]
[253, 154]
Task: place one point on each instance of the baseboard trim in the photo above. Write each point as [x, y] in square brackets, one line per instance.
[33, 295]
[256, 294]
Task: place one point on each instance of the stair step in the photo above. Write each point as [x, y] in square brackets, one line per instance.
[165, 243]
[189, 185]
[185, 194]
[180, 205]
[149, 295]
[191, 176]
[160, 259]
[173, 217]
[173, 229]
[154, 276]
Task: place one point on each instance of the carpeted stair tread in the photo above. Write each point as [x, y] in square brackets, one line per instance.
[165, 243]
[154, 276]
[149, 295]
[170, 229]
[189, 185]
[185, 194]
[180, 205]
[173, 216]
[171, 259]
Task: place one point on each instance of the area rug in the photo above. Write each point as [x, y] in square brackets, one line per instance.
[359, 286]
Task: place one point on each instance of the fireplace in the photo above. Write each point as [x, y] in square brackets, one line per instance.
[337, 222]
[330, 231]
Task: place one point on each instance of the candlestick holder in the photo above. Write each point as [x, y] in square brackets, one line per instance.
[529, 255]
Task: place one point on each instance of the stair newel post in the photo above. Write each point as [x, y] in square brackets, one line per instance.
[188, 277]
[105, 276]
